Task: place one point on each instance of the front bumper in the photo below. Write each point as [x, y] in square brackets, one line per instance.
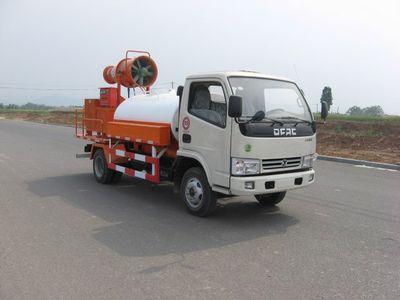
[282, 182]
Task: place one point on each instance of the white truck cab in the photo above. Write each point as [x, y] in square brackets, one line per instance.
[242, 133]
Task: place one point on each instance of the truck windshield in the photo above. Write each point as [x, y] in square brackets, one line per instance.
[279, 100]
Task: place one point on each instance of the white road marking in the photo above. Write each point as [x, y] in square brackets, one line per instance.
[376, 168]
[320, 214]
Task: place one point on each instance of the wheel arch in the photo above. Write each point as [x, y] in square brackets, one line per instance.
[184, 163]
[96, 146]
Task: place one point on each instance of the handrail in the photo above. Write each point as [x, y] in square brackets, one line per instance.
[83, 134]
[76, 120]
[136, 51]
[96, 120]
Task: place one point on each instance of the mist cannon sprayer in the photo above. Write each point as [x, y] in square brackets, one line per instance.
[137, 72]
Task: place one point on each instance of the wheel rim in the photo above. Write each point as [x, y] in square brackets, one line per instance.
[99, 166]
[194, 193]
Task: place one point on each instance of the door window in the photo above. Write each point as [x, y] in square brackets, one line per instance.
[207, 101]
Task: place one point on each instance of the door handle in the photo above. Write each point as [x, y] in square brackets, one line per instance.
[186, 138]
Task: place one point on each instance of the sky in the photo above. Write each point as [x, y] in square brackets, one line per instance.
[351, 46]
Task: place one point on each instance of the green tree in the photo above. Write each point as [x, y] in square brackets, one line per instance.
[375, 110]
[12, 106]
[34, 106]
[1, 105]
[355, 111]
[327, 96]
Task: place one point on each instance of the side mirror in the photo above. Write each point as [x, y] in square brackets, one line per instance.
[324, 110]
[179, 91]
[235, 106]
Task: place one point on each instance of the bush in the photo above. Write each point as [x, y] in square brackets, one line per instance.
[374, 110]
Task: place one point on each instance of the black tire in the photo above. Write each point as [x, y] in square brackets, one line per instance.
[117, 177]
[270, 199]
[101, 171]
[196, 193]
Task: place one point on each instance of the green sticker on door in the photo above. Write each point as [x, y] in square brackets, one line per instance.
[247, 147]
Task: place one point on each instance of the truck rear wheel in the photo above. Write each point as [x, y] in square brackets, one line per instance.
[117, 177]
[270, 199]
[196, 193]
[101, 171]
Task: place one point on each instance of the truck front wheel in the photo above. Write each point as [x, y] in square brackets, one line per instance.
[101, 171]
[270, 199]
[196, 193]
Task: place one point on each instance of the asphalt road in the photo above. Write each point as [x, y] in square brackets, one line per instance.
[64, 236]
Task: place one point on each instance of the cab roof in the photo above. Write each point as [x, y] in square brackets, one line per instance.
[241, 73]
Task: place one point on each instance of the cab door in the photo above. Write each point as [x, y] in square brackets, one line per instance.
[205, 128]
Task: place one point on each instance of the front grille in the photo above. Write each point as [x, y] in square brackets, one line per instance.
[281, 163]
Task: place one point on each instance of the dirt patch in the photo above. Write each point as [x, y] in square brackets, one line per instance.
[375, 141]
[48, 117]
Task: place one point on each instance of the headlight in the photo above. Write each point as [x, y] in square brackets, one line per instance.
[245, 166]
[308, 160]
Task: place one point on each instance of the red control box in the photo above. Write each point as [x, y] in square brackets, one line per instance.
[109, 97]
